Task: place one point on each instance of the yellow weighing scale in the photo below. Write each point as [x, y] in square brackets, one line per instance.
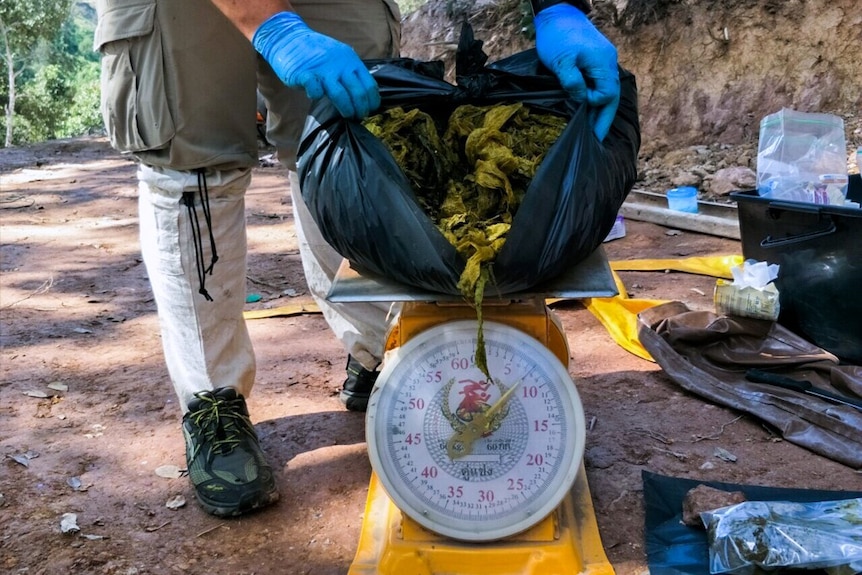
[472, 475]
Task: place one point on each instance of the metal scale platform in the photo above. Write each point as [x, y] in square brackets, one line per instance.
[441, 500]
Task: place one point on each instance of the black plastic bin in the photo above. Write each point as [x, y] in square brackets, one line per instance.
[819, 251]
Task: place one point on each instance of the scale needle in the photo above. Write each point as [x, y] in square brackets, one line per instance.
[461, 442]
[500, 403]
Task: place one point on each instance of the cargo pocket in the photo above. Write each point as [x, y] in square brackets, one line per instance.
[134, 103]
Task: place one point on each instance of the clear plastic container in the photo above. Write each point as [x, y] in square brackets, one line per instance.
[682, 199]
[796, 150]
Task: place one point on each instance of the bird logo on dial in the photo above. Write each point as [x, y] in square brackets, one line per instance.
[475, 418]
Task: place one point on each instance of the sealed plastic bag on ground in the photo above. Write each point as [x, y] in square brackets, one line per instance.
[771, 534]
[676, 548]
[365, 207]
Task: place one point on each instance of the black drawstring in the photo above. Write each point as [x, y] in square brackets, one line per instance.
[188, 200]
[205, 204]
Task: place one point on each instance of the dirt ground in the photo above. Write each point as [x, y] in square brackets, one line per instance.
[89, 424]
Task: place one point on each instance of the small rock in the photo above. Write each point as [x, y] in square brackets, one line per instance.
[727, 180]
[746, 160]
[599, 457]
[678, 157]
[90, 537]
[176, 502]
[69, 523]
[686, 179]
[704, 498]
[75, 483]
[169, 471]
[724, 455]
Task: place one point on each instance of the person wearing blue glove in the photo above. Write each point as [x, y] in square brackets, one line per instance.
[319, 64]
[582, 58]
[304, 51]
[179, 94]
[304, 58]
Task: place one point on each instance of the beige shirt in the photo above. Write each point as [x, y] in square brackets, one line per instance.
[371, 27]
[179, 80]
[178, 84]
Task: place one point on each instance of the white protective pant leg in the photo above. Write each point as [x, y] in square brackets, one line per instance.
[206, 343]
[360, 326]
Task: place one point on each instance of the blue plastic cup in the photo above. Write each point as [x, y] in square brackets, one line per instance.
[682, 199]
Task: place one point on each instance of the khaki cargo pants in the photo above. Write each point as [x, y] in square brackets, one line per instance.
[206, 344]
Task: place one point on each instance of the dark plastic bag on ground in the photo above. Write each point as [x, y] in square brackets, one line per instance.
[674, 548]
[709, 355]
[366, 210]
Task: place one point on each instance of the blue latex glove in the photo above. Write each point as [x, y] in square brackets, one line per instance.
[322, 65]
[582, 58]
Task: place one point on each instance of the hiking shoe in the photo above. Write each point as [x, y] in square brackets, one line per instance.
[225, 463]
[357, 386]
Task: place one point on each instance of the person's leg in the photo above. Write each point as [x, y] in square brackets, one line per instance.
[178, 92]
[185, 221]
[206, 343]
[372, 28]
[360, 326]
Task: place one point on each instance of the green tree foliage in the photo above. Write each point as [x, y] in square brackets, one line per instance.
[50, 85]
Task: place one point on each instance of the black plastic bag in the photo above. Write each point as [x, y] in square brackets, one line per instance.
[366, 210]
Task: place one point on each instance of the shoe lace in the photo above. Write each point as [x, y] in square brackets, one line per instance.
[221, 424]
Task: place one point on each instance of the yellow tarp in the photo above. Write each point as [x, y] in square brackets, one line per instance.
[715, 266]
[285, 310]
[619, 313]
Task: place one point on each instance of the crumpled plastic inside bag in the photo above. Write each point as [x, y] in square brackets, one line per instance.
[754, 274]
[772, 534]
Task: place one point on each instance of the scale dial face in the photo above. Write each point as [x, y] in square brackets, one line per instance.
[470, 458]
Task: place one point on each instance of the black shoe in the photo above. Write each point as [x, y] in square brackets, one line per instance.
[225, 463]
[357, 386]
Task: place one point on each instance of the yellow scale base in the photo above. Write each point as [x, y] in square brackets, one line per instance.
[567, 542]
